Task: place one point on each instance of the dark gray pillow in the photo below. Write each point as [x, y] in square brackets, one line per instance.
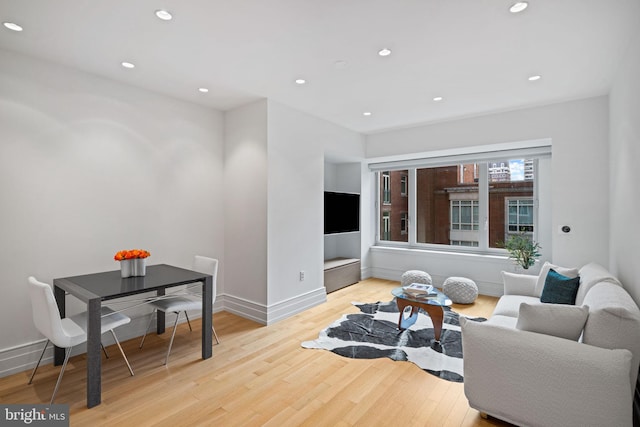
[559, 289]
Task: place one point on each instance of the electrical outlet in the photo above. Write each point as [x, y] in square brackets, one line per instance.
[302, 275]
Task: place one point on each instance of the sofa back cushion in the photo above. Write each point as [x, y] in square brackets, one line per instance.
[613, 322]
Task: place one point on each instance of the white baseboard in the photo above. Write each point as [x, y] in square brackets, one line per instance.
[298, 304]
[267, 315]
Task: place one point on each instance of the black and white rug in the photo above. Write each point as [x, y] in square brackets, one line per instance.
[374, 333]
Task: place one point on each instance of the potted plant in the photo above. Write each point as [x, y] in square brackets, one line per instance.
[522, 249]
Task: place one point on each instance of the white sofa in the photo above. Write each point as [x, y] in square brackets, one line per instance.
[540, 379]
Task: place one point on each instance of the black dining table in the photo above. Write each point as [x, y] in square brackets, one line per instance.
[95, 288]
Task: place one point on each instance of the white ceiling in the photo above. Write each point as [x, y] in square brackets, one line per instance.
[474, 53]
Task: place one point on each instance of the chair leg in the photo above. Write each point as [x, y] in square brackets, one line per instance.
[104, 350]
[187, 316]
[122, 351]
[148, 326]
[215, 335]
[64, 365]
[33, 374]
[166, 360]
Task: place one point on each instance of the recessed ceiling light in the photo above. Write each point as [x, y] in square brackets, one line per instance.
[203, 90]
[366, 113]
[518, 6]
[164, 15]
[128, 65]
[300, 81]
[534, 78]
[437, 98]
[12, 26]
[384, 52]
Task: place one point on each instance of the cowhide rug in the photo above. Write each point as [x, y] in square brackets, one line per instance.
[374, 333]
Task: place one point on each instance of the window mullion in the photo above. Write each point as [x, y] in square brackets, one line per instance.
[412, 194]
[483, 206]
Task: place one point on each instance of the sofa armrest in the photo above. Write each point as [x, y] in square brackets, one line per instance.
[519, 284]
[533, 379]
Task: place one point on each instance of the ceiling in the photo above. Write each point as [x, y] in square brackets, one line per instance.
[473, 53]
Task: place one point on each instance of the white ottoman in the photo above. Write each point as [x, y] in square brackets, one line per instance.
[415, 276]
[460, 290]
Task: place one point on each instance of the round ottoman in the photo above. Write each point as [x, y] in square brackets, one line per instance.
[415, 276]
[460, 290]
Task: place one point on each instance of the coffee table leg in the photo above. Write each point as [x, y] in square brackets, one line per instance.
[402, 304]
[437, 315]
[434, 311]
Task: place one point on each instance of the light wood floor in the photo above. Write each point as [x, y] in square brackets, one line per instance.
[258, 376]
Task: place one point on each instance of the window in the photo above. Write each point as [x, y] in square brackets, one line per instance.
[386, 188]
[447, 209]
[404, 222]
[394, 207]
[464, 214]
[386, 229]
[464, 243]
[520, 215]
[511, 199]
[462, 205]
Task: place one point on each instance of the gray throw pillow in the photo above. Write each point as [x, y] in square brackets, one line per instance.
[564, 321]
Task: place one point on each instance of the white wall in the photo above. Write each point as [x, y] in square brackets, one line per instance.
[245, 207]
[297, 143]
[579, 176]
[89, 167]
[624, 166]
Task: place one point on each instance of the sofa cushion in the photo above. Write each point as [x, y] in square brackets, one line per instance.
[519, 284]
[590, 275]
[613, 322]
[564, 321]
[542, 277]
[559, 289]
[504, 321]
[509, 305]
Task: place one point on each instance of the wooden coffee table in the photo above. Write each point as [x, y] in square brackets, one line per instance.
[432, 305]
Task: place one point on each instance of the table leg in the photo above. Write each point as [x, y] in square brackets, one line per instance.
[58, 352]
[435, 312]
[94, 358]
[437, 315]
[402, 304]
[160, 315]
[207, 311]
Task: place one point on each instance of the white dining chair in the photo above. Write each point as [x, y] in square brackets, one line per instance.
[192, 301]
[67, 332]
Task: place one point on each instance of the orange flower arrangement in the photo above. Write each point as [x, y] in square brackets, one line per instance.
[131, 254]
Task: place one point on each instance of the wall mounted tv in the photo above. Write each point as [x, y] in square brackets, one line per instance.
[341, 212]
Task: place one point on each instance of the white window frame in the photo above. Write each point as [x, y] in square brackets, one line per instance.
[540, 149]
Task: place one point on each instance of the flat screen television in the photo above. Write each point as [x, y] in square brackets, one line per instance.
[341, 212]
